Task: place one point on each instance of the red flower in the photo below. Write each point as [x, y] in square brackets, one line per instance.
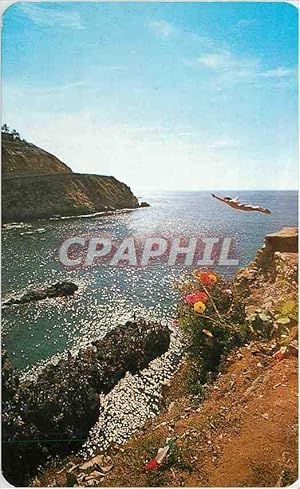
[152, 465]
[190, 299]
[196, 297]
[201, 296]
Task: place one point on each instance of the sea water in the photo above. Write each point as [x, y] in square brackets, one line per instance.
[108, 295]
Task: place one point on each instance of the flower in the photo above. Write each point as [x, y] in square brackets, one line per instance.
[195, 297]
[152, 465]
[207, 278]
[201, 296]
[199, 307]
[190, 299]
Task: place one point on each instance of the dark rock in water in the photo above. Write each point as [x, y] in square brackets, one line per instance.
[144, 204]
[60, 289]
[57, 410]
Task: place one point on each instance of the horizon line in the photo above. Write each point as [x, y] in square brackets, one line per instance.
[229, 190]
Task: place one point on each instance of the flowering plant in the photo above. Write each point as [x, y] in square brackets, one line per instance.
[212, 319]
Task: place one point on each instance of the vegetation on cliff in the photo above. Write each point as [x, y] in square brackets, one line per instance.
[213, 321]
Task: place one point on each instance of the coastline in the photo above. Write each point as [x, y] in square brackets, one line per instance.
[10, 225]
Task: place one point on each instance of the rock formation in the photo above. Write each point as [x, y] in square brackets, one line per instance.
[60, 289]
[278, 257]
[271, 279]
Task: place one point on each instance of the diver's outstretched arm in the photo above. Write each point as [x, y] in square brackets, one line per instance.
[264, 210]
[218, 198]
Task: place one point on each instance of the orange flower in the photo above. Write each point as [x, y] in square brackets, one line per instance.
[207, 278]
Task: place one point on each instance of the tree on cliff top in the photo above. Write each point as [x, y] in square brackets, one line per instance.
[6, 130]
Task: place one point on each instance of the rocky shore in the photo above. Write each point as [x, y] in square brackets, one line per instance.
[54, 412]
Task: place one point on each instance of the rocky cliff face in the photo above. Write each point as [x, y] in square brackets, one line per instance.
[271, 279]
[35, 184]
[275, 263]
[20, 158]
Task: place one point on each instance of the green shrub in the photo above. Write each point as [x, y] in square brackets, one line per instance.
[217, 327]
[277, 324]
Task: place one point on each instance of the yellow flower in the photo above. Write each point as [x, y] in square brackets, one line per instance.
[199, 307]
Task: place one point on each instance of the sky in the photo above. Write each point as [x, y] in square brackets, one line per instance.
[164, 96]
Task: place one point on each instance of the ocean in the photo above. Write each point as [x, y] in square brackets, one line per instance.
[110, 295]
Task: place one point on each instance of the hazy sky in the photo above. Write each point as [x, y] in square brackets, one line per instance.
[162, 96]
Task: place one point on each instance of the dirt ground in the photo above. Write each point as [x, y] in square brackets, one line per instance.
[243, 434]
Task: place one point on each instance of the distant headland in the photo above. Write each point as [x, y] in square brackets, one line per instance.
[36, 184]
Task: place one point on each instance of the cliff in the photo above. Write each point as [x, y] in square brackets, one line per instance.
[273, 273]
[36, 184]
